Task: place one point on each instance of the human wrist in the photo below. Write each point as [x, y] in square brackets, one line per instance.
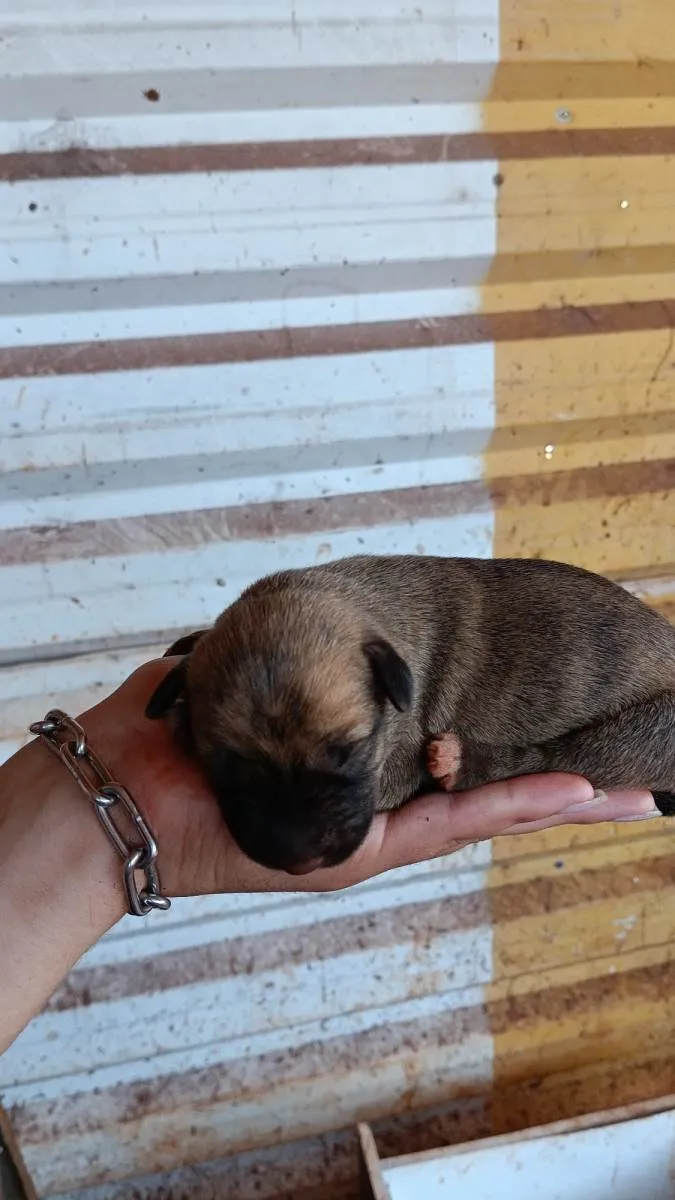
[60, 881]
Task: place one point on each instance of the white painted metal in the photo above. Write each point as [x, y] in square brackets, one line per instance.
[87, 37]
[198, 437]
[610, 1162]
[116, 473]
[118, 596]
[144, 227]
[74, 312]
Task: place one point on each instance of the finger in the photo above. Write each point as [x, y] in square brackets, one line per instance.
[438, 824]
[431, 827]
[622, 806]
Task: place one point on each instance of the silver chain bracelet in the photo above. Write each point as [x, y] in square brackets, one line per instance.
[68, 741]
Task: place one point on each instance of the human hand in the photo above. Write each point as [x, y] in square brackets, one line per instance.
[50, 837]
[199, 856]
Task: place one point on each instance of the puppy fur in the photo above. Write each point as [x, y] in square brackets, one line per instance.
[314, 699]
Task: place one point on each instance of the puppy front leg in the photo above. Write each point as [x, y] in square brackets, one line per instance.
[444, 760]
[461, 764]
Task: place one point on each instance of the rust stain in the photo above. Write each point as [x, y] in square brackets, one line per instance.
[585, 999]
[416, 923]
[402, 1042]
[577, 1091]
[318, 1168]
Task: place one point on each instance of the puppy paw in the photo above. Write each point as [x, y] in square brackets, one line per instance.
[444, 759]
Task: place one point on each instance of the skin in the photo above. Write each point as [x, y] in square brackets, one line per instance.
[60, 881]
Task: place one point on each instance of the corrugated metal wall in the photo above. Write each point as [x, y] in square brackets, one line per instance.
[279, 282]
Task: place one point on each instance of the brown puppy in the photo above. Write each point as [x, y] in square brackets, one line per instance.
[313, 701]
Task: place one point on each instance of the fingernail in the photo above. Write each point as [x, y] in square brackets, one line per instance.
[597, 798]
[646, 816]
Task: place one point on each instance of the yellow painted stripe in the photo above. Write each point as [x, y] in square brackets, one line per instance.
[584, 920]
[586, 31]
[609, 534]
[586, 204]
[579, 112]
[558, 278]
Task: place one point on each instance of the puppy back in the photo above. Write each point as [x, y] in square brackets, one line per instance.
[508, 648]
[501, 649]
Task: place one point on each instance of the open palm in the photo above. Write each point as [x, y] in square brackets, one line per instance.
[199, 857]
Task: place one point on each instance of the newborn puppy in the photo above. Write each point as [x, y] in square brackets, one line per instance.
[317, 697]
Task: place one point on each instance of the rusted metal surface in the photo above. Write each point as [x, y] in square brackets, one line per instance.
[279, 284]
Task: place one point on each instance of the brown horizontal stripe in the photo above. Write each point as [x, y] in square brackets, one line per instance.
[79, 162]
[417, 923]
[147, 534]
[319, 1167]
[243, 1078]
[521, 1102]
[233, 1081]
[586, 483]
[553, 893]
[144, 354]
[521, 78]
[586, 998]
[363, 510]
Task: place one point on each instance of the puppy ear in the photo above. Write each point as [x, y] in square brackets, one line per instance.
[392, 675]
[169, 693]
[185, 644]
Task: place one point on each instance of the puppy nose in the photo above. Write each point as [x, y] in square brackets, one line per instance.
[303, 868]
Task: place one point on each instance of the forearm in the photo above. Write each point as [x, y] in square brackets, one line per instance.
[60, 883]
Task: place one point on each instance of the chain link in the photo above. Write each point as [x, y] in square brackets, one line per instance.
[68, 741]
